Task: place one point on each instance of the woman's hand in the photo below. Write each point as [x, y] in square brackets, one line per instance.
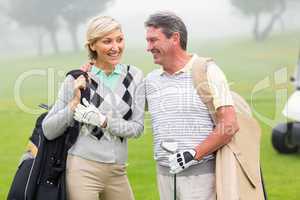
[79, 83]
[89, 114]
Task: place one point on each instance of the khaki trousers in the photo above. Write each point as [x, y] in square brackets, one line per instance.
[194, 187]
[91, 180]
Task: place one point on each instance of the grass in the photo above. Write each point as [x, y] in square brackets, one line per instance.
[245, 63]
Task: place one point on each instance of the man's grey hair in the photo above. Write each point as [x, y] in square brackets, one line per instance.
[169, 23]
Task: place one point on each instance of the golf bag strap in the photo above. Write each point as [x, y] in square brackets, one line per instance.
[75, 74]
[200, 82]
[71, 139]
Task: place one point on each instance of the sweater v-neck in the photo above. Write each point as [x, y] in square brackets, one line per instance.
[110, 80]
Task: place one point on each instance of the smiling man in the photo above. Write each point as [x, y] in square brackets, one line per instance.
[179, 115]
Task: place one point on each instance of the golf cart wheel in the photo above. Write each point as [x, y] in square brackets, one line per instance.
[281, 139]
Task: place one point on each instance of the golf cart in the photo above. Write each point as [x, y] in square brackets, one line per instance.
[286, 136]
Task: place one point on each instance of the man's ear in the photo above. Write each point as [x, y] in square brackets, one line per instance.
[176, 37]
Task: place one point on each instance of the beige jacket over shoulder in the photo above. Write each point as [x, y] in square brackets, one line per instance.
[238, 174]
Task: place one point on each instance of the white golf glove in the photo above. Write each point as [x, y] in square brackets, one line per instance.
[182, 160]
[89, 114]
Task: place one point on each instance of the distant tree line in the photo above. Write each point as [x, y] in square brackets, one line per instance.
[44, 17]
[259, 10]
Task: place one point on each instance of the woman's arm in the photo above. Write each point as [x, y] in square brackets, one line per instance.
[61, 114]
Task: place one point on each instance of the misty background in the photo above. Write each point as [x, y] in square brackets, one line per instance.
[255, 42]
[43, 27]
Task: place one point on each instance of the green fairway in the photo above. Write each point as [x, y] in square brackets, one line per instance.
[245, 63]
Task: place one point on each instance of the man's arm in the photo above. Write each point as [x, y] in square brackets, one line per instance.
[226, 123]
[226, 127]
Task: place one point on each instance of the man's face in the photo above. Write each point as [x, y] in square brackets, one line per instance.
[159, 45]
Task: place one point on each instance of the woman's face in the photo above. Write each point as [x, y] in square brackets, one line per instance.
[109, 48]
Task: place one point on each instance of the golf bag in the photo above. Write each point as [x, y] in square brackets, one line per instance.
[42, 175]
[238, 172]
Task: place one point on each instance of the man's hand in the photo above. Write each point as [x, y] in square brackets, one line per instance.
[89, 114]
[182, 160]
[87, 66]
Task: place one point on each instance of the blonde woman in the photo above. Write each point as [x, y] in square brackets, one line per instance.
[96, 164]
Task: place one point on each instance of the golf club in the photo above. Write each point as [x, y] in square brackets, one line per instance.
[170, 147]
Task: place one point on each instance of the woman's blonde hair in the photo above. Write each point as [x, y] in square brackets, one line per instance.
[97, 28]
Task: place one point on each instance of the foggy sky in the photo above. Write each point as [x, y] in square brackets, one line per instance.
[204, 20]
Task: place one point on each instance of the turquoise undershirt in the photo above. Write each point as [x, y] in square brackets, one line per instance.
[110, 80]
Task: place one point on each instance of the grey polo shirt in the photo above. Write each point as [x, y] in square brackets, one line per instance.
[177, 112]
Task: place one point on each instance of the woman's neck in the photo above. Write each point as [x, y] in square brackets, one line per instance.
[106, 67]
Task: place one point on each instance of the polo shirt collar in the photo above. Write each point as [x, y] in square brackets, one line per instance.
[97, 70]
[188, 66]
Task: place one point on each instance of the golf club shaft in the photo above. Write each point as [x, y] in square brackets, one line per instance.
[297, 78]
[174, 186]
